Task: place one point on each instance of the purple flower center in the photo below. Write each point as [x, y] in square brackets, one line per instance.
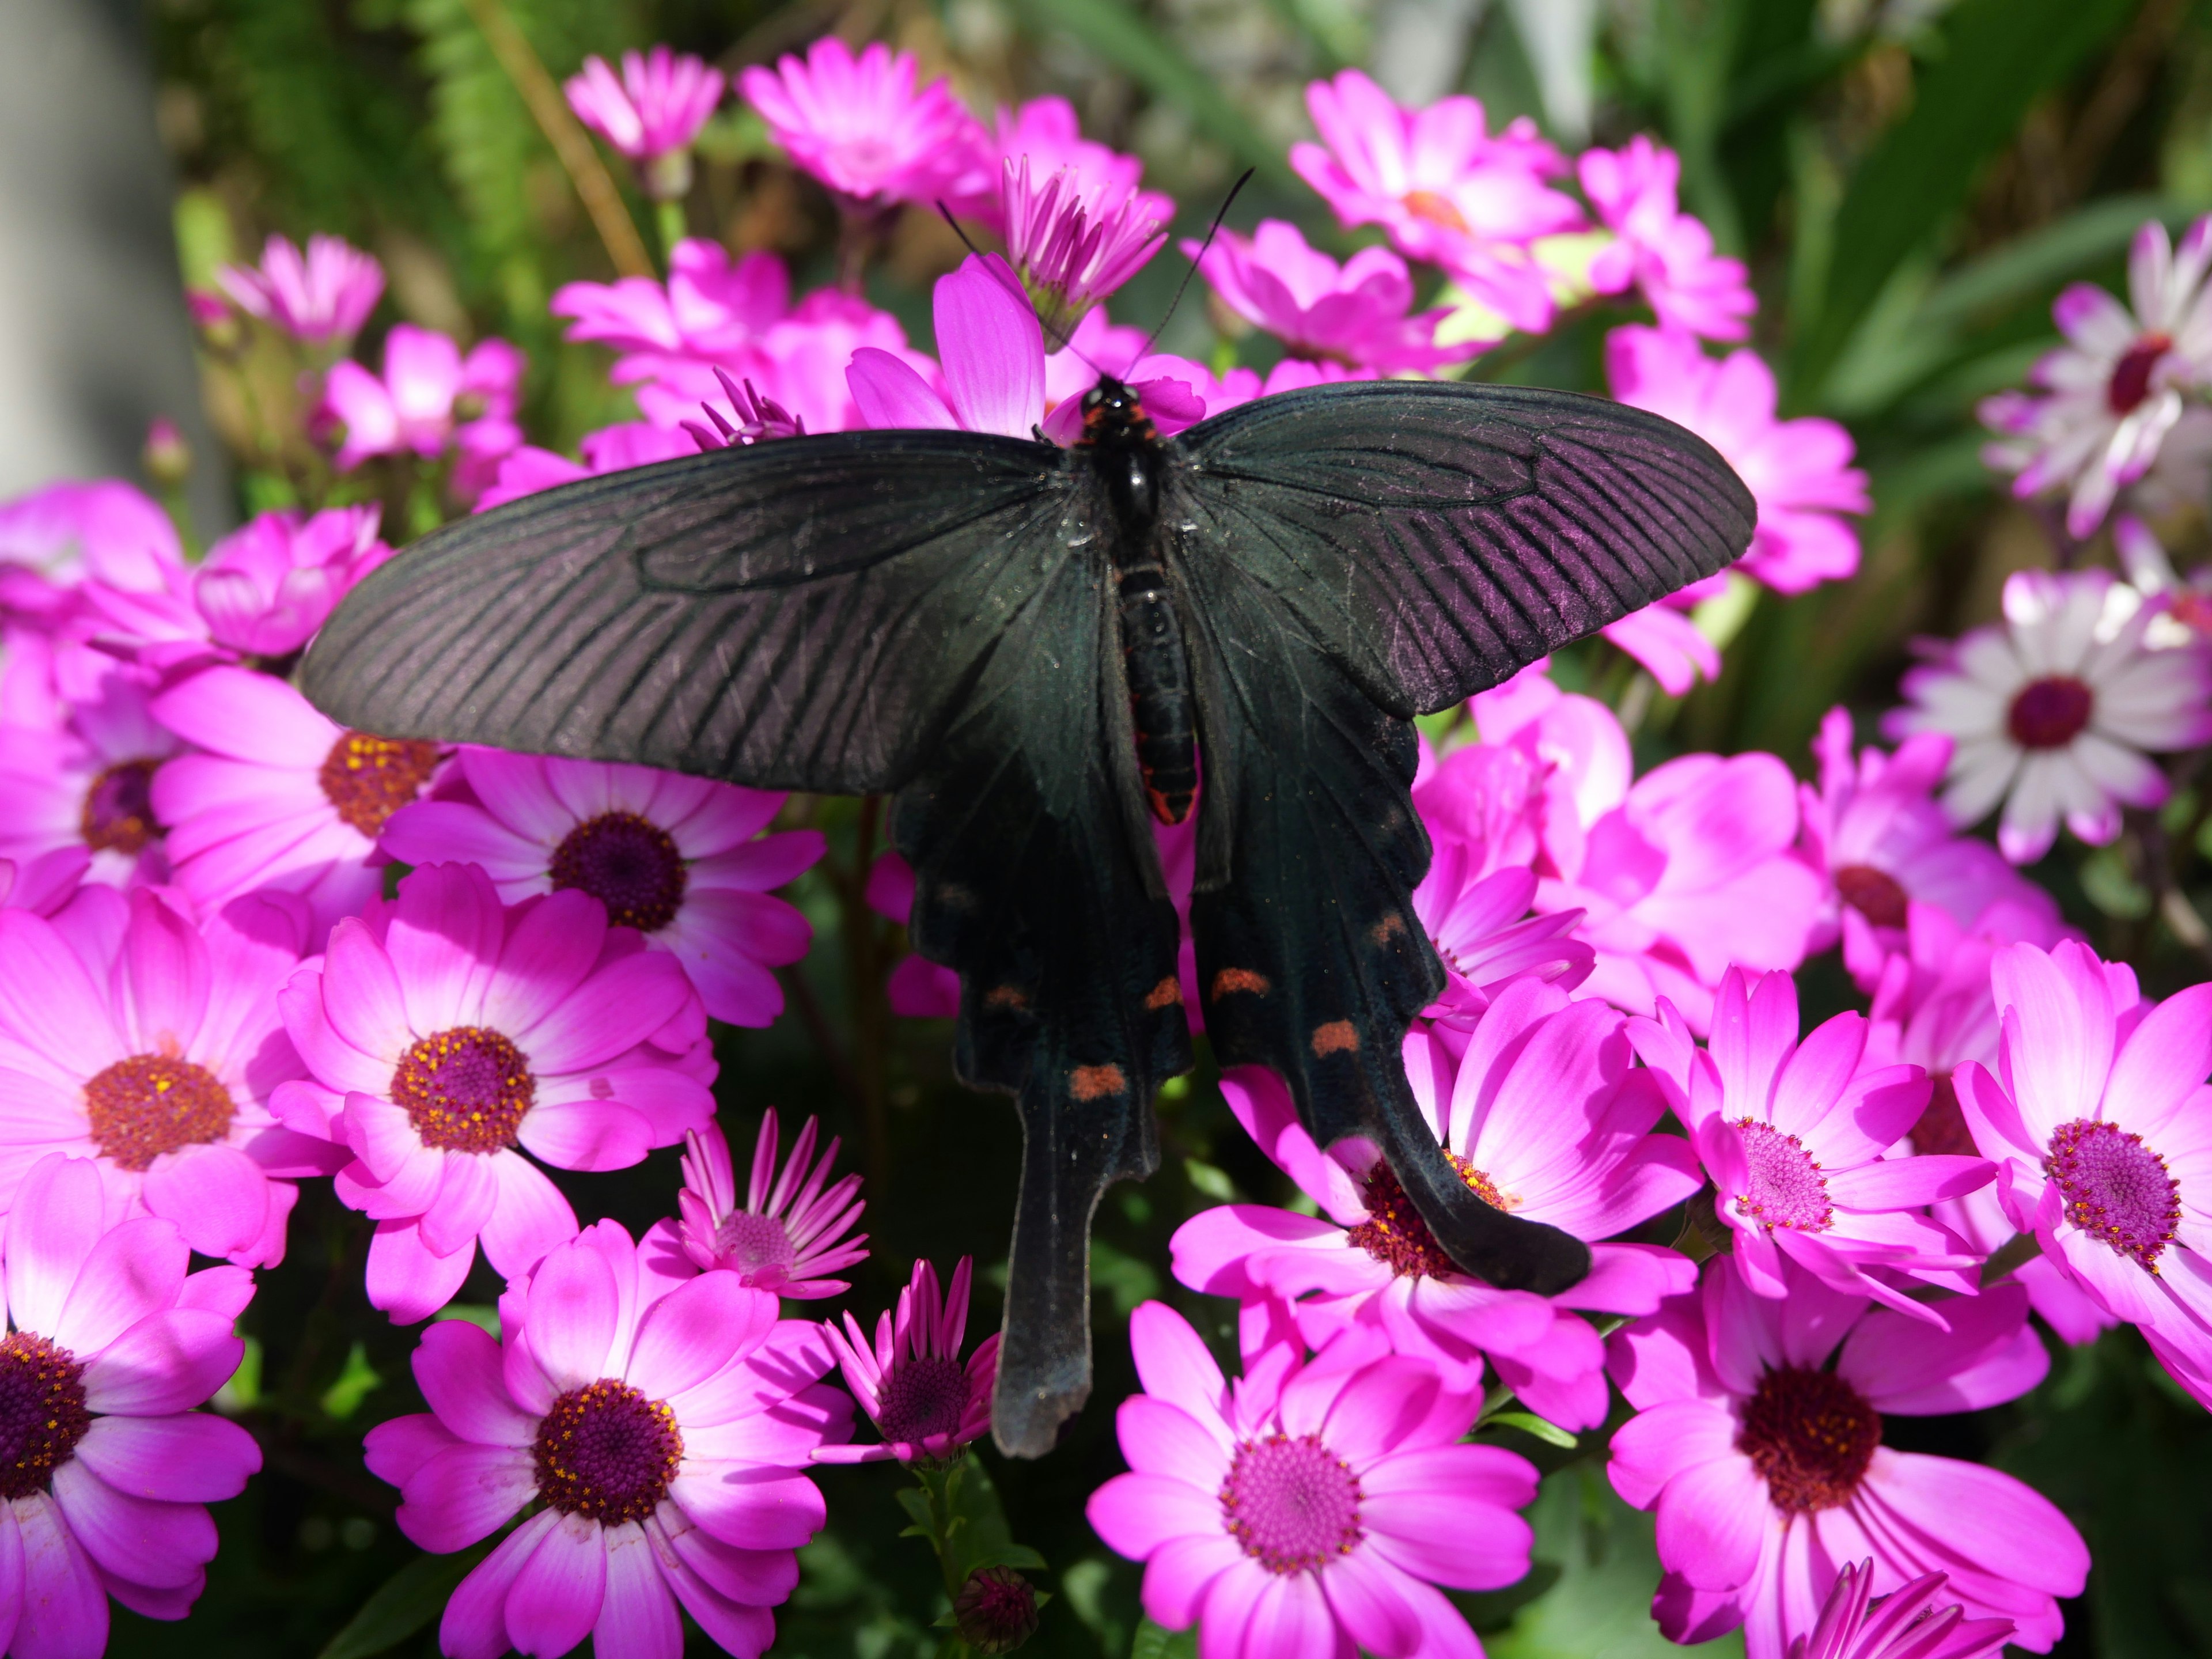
[2116, 1187]
[367, 779]
[150, 1105]
[757, 1246]
[1293, 1505]
[1785, 1188]
[921, 1396]
[42, 1413]
[118, 809]
[2130, 381]
[629, 864]
[607, 1453]
[1811, 1434]
[1393, 1231]
[464, 1090]
[1873, 893]
[2050, 713]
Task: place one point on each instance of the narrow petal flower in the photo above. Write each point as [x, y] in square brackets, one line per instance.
[925, 1403]
[1072, 244]
[651, 113]
[1911, 1622]
[857, 125]
[321, 296]
[787, 1231]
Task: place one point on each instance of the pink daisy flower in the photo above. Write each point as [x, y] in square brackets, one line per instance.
[1758, 1441]
[110, 1346]
[1485, 936]
[709, 307]
[55, 538]
[278, 795]
[661, 1421]
[1793, 1137]
[1799, 471]
[1658, 247]
[1668, 645]
[137, 1036]
[1359, 313]
[429, 398]
[1312, 1506]
[87, 779]
[445, 1031]
[321, 296]
[1544, 1117]
[857, 125]
[790, 1233]
[651, 114]
[1073, 243]
[679, 858]
[44, 884]
[798, 363]
[1911, 1622]
[2099, 1118]
[924, 1402]
[611, 449]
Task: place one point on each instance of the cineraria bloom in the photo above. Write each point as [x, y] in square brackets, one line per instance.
[679, 858]
[857, 125]
[651, 113]
[1485, 936]
[1071, 243]
[660, 1420]
[1668, 645]
[430, 399]
[445, 1030]
[88, 781]
[1912, 1622]
[55, 538]
[1799, 471]
[134, 1035]
[1444, 188]
[2049, 711]
[709, 307]
[1241, 385]
[1759, 1440]
[322, 296]
[276, 795]
[1658, 247]
[1312, 1506]
[2098, 1115]
[1873, 826]
[1545, 1117]
[753, 418]
[611, 449]
[789, 1233]
[1358, 313]
[110, 1346]
[924, 1402]
[1046, 132]
[2116, 387]
[798, 363]
[44, 884]
[1792, 1135]
[2188, 600]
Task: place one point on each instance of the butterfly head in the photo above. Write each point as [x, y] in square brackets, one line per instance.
[1113, 416]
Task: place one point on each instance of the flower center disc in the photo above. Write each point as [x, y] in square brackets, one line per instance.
[1292, 1504]
[629, 864]
[118, 809]
[2116, 1189]
[757, 1246]
[42, 1413]
[150, 1105]
[1393, 1231]
[1436, 209]
[921, 1396]
[1943, 1128]
[1786, 1188]
[2130, 381]
[367, 779]
[1811, 1434]
[1873, 893]
[607, 1453]
[2050, 713]
[464, 1090]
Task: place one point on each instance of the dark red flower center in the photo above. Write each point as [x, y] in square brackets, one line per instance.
[118, 809]
[1873, 893]
[1943, 1128]
[920, 1396]
[629, 864]
[42, 1413]
[1293, 1505]
[367, 779]
[464, 1090]
[1393, 1231]
[607, 1453]
[1785, 1188]
[1811, 1434]
[150, 1105]
[2050, 713]
[2116, 1187]
[2130, 381]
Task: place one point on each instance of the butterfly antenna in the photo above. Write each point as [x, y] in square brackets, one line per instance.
[945, 213]
[1212, 231]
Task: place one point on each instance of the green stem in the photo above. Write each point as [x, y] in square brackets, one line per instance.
[935, 1481]
[668, 223]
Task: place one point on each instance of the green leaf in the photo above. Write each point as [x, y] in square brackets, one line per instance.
[1154, 1643]
[981, 1537]
[1129, 1279]
[404, 1604]
[1528, 1423]
[2029, 264]
[354, 1384]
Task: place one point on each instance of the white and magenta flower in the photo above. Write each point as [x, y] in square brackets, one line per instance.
[429, 398]
[1913, 1622]
[857, 125]
[1310, 1507]
[1073, 243]
[1659, 249]
[681, 860]
[925, 1403]
[2049, 711]
[1758, 1441]
[791, 1231]
[110, 1346]
[321, 296]
[651, 113]
[1359, 312]
[660, 1422]
[137, 1036]
[445, 1034]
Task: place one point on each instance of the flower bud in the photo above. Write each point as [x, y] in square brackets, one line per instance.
[996, 1611]
[166, 457]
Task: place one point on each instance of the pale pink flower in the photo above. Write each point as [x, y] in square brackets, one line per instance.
[430, 399]
[611, 449]
[1658, 247]
[925, 1403]
[1359, 313]
[709, 307]
[857, 125]
[662, 1420]
[1073, 243]
[322, 296]
[790, 1232]
[650, 115]
[55, 539]
[1911, 1622]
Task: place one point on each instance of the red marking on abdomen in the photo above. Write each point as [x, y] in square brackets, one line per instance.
[1168, 809]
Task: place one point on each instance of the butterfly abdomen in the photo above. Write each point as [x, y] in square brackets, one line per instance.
[1159, 693]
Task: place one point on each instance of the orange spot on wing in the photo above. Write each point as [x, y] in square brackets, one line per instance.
[1387, 929]
[1096, 1082]
[1238, 979]
[1165, 994]
[1006, 996]
[1337, 1038]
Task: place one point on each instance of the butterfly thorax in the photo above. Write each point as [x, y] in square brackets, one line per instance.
[1130, 458]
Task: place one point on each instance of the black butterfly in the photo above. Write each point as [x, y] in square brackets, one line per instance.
[1036, 648]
